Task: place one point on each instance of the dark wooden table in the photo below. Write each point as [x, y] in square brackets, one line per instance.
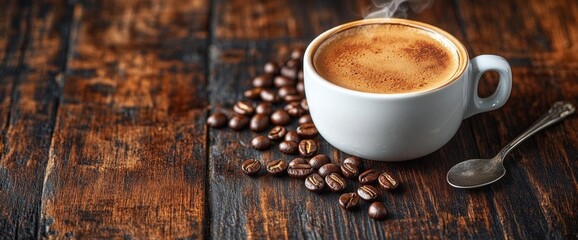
[103, 107]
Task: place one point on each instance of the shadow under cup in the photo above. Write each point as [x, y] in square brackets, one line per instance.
[394, 126]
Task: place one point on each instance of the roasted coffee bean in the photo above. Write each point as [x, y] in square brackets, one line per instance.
[354, 160]
[335, 183]
[367, 192]
[297, 53]
[377, 211]
[269, 95]
[307, 147]
[297, 161]
[271, 68]
[300, 170]
[300, 87]
[319, 160]
[280, 117]
[294, 109]
[288, 147]
[261, 143]
[259, 122]
[277, 167]
[253, 93]
[217, 120]
[369, 176]
[328, 168]
[238, 122]
[263, 80]
[244, 107]
[264, 108]
[349, 201]
[307, 130]
[300, 75]
[289, 72]
[286, 90]
[293, 98]
[292, 136]
[282, 81]
[314, 183]
[305, 119]
[387, 181]
[277, 133]
[304, 104]
[349, 170]
[294, 63]
[251, 167]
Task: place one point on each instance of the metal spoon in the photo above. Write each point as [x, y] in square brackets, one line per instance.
[480, 172]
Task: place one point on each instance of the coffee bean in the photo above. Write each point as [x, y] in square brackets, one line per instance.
[294, 109]
[294, 98]
[307, 147]
[300, 87]
[300, 75]
[354, 160]
[238, 122]
[277, 133]
[319, 160]
[297, 161]
[269, 95]
[297, 53]
[294, 63]
[251, 167]
[244, 107]
[264, 108]
[314, 183]
[271, 68]
[217, 120]
[282, 81]
[305, 119]
[286, 90]
[300, 170]
[288, 147]
[367, 192]
[261, 143]
[253, 93]
[369, 176]
[349, 170]
[304, 104]
[377, 211]
[335, 183]
[263, 80]
[348, 201]
[277, 167]
[387, 181]
[280, 117]
[307, 130]
[328, 168]
[259, 122]
[292, 136]
[289, 72]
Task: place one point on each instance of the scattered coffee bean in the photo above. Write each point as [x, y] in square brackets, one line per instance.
[294, 98]
[288, 147]
[217, 120]
[294, 109]
[300, 170]
[328, 168]
[369, 176]
[387, 181]
[244, 107]
[292, 136]
[282, 81]
[297, 161]
[271, 68]
[314, 183]
[300, 75]
[289, 72]
[354, 160]
[261, 143]
[367, 192]
[297, 53]
[335, 183]
[238, 122]
[307, 130]
[259, 122]
[305, 119]
[277, 133]
[264, 108]
[307, 147]
[286, 90]
[277, 167]
[253, 93]
[280, 117]
[251, 167]
[269, 95]
[377, 211]
[349, 170]
[294, 63]
[263, 80]
[300, 87]
[304, 104]
[348, 201]
[319, 160]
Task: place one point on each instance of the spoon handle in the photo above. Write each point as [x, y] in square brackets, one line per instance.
[557, 112]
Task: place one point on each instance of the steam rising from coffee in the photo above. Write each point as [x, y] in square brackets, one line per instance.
[396, 8]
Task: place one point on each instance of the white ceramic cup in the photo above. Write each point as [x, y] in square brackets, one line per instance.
[400, 126]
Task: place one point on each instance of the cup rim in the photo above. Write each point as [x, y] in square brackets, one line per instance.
[463, 57]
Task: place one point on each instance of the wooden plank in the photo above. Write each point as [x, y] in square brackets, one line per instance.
[33, 39]
[128, 154]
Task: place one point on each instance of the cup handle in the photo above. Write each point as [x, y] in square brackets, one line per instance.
[480, 65]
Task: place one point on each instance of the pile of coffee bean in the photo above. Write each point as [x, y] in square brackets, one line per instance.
[276, 99]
